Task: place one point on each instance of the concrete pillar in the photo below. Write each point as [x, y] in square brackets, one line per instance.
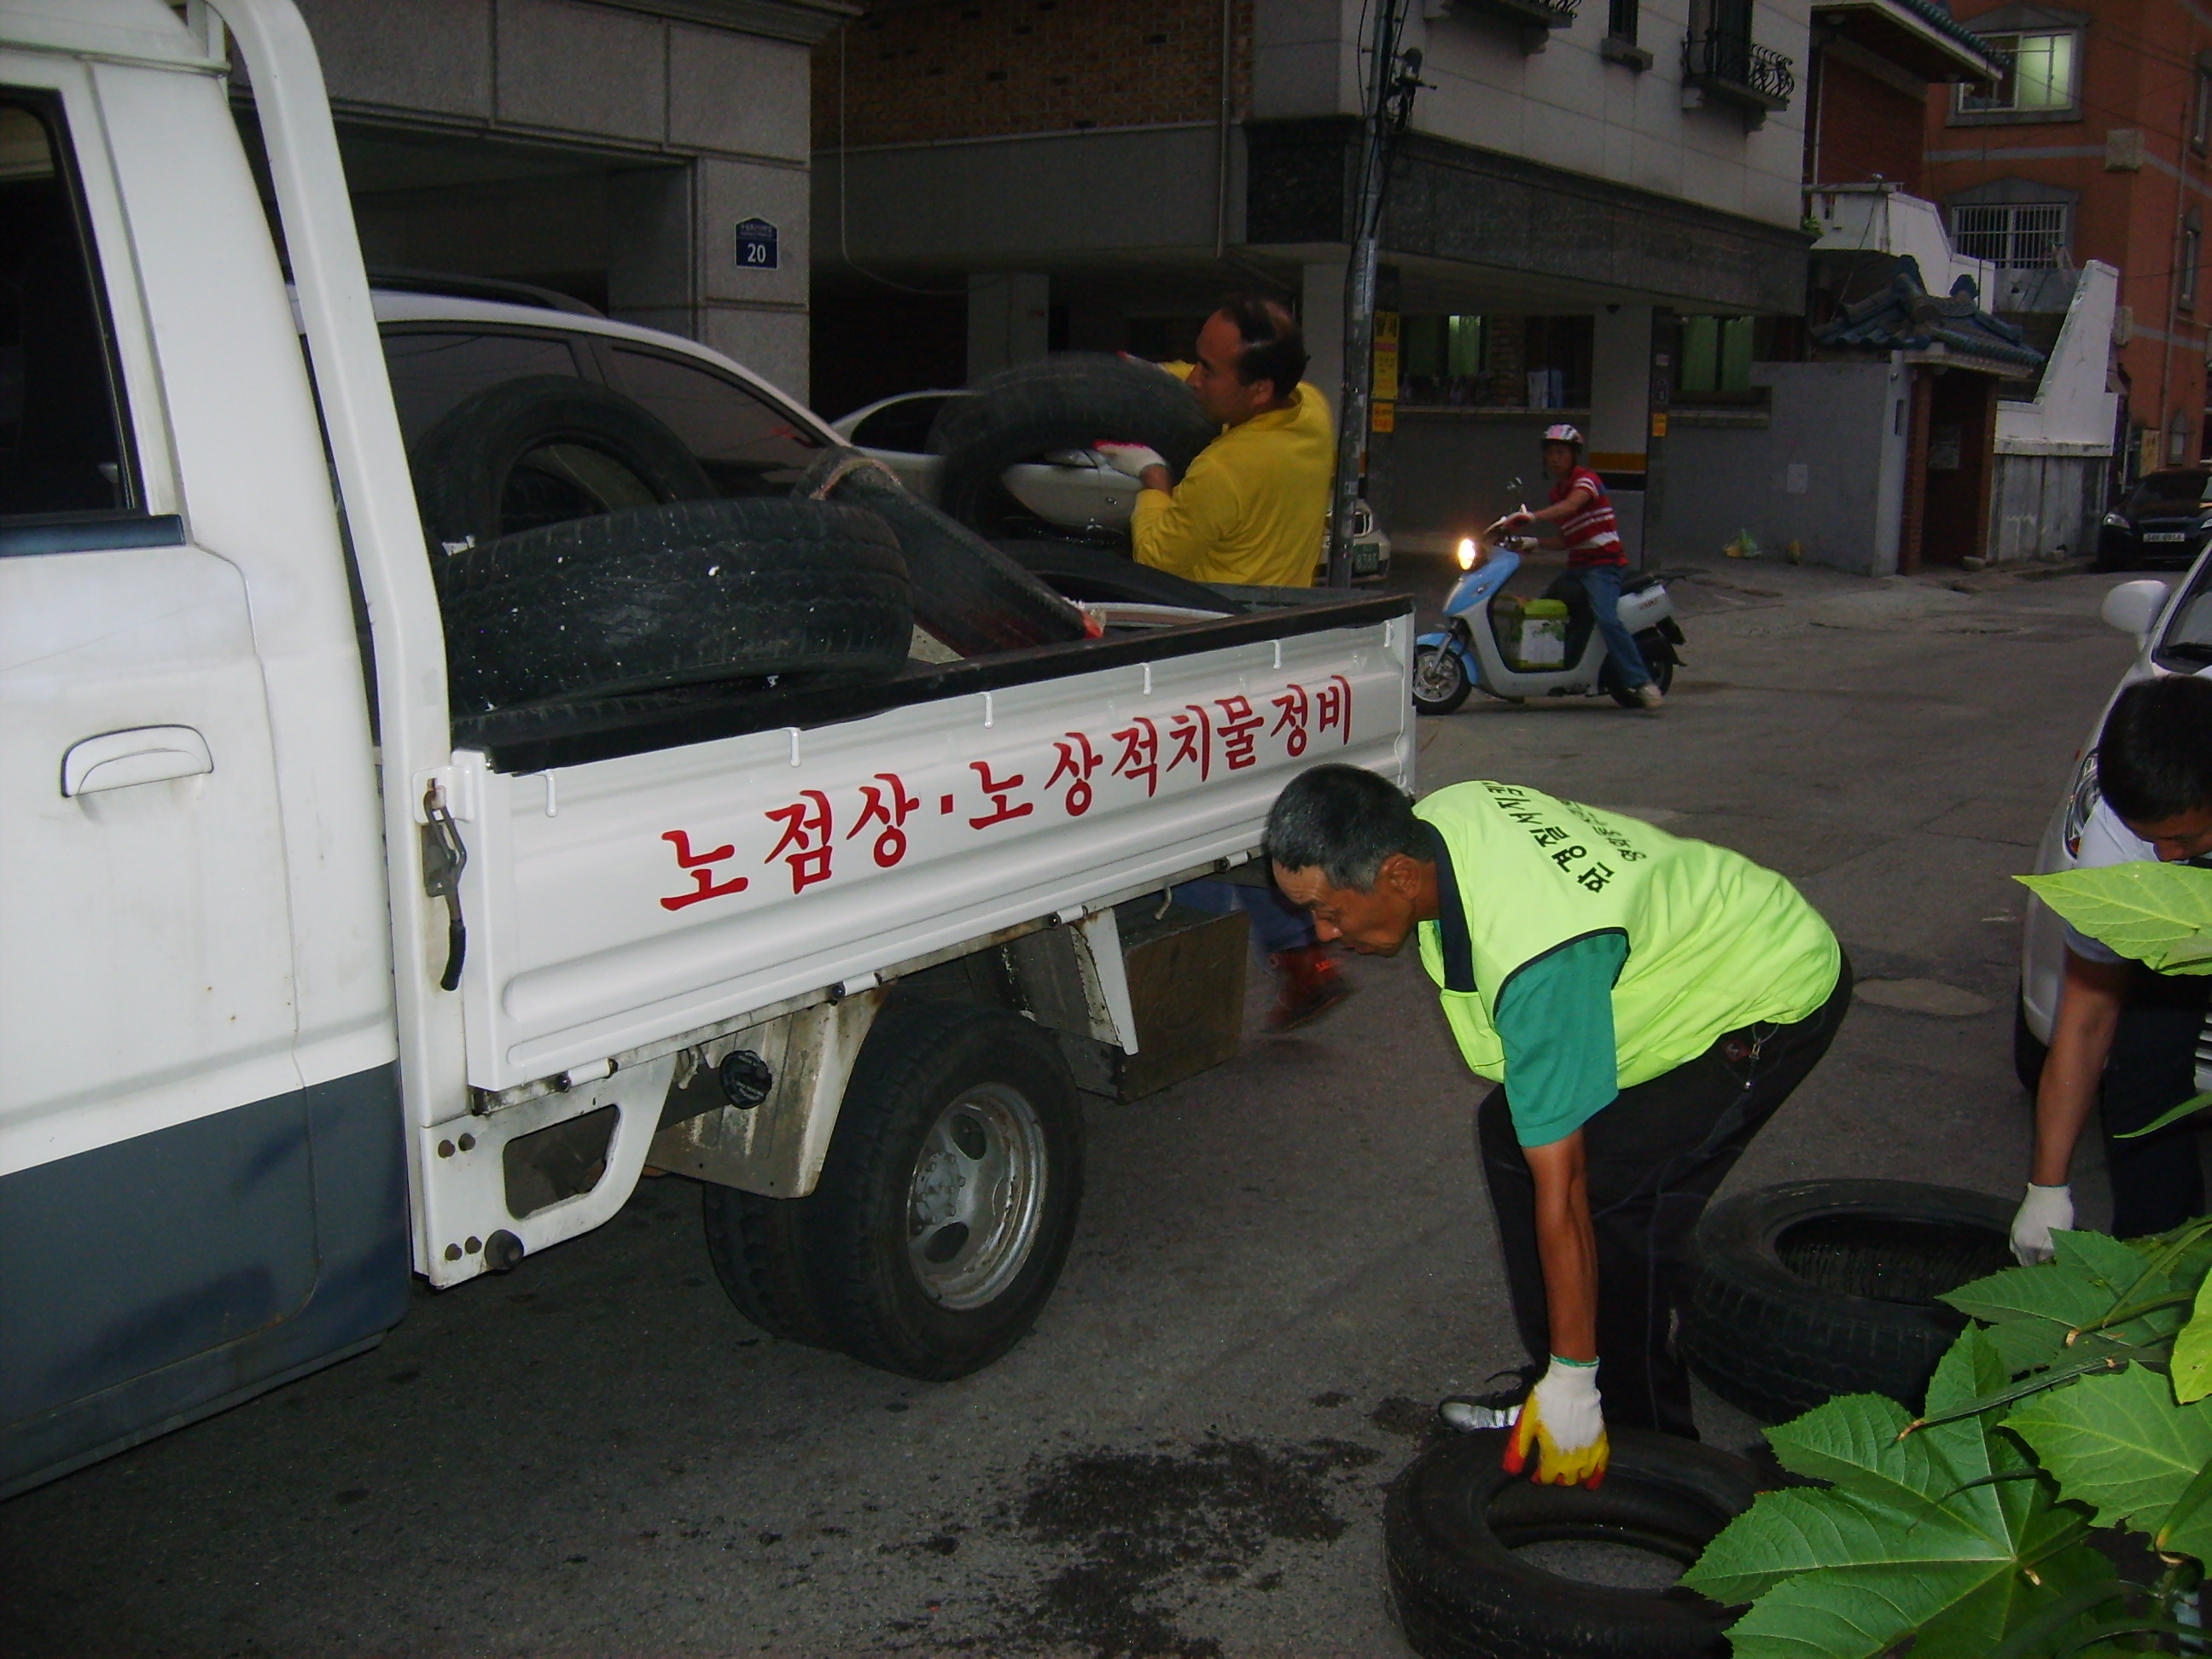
[1009, 319]
[1621, 413]
[1321, 315]
[756, 314]
[1620, 385]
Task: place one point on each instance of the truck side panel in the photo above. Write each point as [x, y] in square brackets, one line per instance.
[613, 904]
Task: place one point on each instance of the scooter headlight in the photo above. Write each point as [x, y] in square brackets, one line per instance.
[1467, 552]
[2081, 803]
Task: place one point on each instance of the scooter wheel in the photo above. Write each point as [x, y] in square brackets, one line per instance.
[1440, 680]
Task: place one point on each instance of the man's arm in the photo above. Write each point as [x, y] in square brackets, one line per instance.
[2089, 1001]
[1567, 1244]
[1558, 512]
[1179, 530]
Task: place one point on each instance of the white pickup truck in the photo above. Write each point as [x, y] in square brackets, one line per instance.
[843, 956]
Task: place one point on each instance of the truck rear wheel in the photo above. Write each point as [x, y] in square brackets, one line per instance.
[947, 1206]
[757, 1245]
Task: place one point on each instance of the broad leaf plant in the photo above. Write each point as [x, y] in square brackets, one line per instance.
[2080, 1399]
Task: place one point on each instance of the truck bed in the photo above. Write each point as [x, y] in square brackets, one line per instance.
[641, 870]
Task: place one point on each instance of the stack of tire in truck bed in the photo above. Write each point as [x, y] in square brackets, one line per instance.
[584, 561]
[1805, 1291]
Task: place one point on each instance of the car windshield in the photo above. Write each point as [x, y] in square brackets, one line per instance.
[2171, 492]
[2186, 645]
[904, 425]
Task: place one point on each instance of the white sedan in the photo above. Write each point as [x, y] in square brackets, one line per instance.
[1070, 489]
[2174, 632]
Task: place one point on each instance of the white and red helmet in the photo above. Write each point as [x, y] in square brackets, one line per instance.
[1564, 433]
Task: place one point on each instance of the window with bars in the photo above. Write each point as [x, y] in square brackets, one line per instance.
[2012, 235]
[1620, 21]
[2038, 75]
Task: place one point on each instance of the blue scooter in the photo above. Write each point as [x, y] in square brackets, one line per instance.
[1469, 655]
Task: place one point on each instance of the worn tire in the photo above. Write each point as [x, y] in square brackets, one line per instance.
[1453, 1521]
[1100, 576]
[1821, 1288]
[1068, 402]
[657, 597]
[545, 449]
[966, 592]
[758, 1246]
[884, 1186]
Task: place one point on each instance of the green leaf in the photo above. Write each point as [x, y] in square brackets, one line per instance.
[2188, 1107]
[2192, 1350]
[2120, 1444]
[1928, 1537]
[2159, 914]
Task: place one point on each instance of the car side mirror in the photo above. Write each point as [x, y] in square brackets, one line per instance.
[2132, 607]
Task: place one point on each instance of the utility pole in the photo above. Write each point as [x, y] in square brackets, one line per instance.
[1393, 78]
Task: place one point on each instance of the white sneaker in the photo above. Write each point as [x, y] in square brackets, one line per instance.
[1650, 696]
[1469, 1415]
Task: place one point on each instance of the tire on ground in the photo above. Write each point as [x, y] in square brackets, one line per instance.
[1454, 1523]
[1658, 657]
[966, 592]
[1821, 1288]
[1100, 576]
[757, 1245]
[664, 596]
[542, 450]
[1068, 402]
[953, 1110]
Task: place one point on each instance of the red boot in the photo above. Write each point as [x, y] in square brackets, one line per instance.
[1308, 984]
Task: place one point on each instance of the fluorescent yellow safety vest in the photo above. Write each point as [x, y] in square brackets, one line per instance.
[1715, 942]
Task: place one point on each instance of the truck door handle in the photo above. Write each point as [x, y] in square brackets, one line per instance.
[145, 754]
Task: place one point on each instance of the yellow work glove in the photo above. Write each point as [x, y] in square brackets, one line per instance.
[1562, 1417]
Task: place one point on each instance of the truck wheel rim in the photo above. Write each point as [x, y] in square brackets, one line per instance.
[977, 1197]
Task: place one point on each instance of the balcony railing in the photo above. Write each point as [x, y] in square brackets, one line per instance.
[1534, 19]
[1728, 66]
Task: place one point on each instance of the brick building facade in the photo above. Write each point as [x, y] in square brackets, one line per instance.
[2096, 147]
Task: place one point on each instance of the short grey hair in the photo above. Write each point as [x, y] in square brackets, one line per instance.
[1345, 822]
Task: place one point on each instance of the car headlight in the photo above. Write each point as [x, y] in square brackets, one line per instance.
[2081, 803]
[2117, 521]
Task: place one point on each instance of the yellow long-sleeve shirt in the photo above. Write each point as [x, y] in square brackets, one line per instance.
[1253, 507]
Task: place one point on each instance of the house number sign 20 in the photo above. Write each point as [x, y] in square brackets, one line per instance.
[756, 245]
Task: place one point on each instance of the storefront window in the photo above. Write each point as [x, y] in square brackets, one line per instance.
[1444, 360]
[1716, 354]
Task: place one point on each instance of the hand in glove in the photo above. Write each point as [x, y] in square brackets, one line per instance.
[2043, 1209]
[1562, 1418]
[1130, 458]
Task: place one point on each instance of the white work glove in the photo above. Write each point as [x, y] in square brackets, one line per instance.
[1130, 458]
[2042, 1210]
[1562, 1418]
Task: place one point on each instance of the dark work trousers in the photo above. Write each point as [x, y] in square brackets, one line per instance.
[2157, 1182]
[1655, 1156]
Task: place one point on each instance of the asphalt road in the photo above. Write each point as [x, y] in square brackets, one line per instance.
[1280, 1265]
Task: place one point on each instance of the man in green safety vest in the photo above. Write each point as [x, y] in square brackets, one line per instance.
[1646, 1003]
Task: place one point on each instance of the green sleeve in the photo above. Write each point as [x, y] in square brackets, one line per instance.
[1555, 1019]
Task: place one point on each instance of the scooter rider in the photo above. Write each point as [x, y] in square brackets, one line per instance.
[1582, 513]
[1647, 1003]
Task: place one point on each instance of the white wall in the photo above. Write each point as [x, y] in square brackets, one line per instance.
[1565, 107]
[2073, 413]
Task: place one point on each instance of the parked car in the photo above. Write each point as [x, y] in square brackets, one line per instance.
[322, 977]
[2164, 521]
[1071, 491]
[2175, 636]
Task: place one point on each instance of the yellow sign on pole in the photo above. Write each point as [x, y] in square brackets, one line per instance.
[1386, 360]
[1383, 417]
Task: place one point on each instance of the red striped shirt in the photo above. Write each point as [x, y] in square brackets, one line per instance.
[1593, 535]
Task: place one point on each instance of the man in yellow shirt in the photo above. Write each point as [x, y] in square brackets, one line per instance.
[1254, 507]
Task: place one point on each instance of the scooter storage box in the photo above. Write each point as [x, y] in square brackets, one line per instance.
[1543, 643]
